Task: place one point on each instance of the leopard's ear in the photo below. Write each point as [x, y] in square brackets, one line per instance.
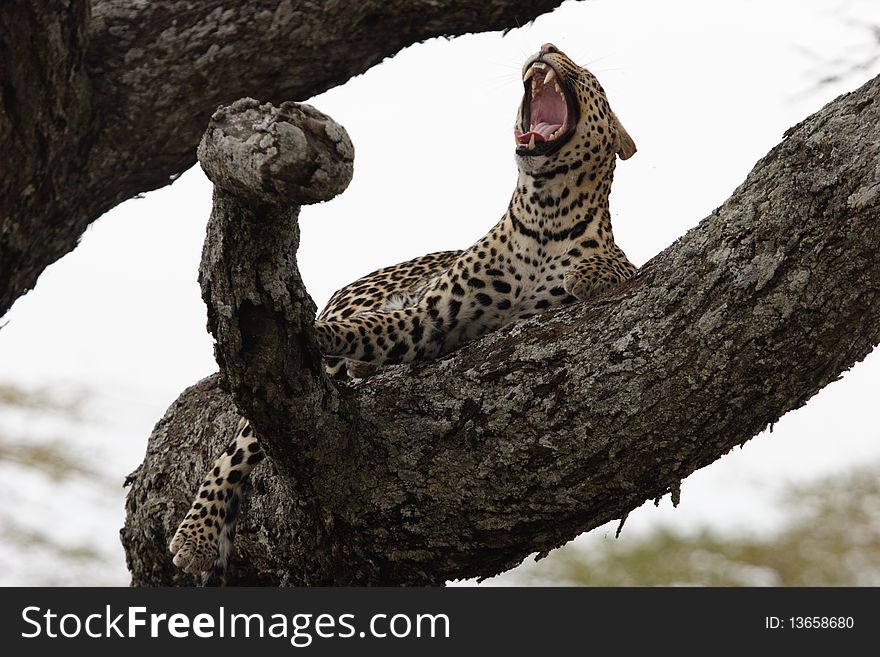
[626, 147]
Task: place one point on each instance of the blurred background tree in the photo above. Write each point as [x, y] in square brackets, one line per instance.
[831, 539]
[830, 68]
[42, 453]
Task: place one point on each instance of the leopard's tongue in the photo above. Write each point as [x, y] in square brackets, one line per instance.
[548, 112]
[540, 132]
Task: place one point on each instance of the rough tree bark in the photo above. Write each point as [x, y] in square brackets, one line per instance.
[519, 442]
[102, 100]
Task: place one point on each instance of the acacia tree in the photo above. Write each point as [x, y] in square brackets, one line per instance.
[515, 444]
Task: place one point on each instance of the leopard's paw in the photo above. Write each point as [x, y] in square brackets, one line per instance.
[196, 540]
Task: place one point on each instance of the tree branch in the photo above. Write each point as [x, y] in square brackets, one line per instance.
[538, 432]
[102, 100]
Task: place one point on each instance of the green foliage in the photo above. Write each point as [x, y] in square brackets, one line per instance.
[30, 444]
[41, 400]
[29, 539]
[51, 456]
[832, 539]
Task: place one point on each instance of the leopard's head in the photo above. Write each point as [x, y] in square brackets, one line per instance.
[564, 117]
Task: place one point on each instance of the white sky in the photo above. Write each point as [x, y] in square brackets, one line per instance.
[704, 88]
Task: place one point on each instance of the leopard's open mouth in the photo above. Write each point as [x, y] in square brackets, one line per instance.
[549, 113]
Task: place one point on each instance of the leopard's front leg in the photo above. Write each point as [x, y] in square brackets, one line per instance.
[203, 541]
[596, 273]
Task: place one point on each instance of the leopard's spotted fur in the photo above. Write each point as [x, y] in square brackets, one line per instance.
[553, 246]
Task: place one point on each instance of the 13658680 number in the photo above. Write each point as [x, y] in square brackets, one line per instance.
[821, 622]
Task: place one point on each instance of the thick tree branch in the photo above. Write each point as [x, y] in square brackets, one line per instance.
[101, 101]
[543, 430]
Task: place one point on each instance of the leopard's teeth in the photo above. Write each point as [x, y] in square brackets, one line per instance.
[529, 74]
[532, 142]
[558, 90]
[551, 75]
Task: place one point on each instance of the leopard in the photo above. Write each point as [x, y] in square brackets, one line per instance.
[552, 247]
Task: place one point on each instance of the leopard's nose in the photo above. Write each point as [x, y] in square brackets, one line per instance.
[548, 48]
